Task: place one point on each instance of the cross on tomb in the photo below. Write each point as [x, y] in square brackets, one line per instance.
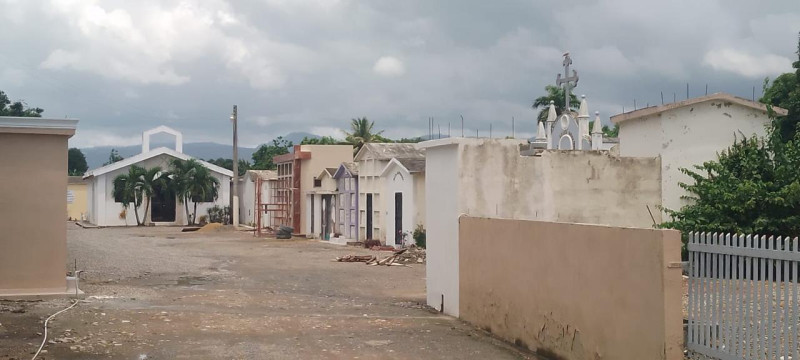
[567, 80]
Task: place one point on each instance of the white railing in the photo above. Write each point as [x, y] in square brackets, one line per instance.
[743, 296]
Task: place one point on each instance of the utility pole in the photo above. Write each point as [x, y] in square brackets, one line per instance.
[235, 205]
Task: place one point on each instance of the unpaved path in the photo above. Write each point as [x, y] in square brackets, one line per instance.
[157, 293]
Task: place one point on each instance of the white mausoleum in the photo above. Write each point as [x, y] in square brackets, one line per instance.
[104, 210]
[689, 133]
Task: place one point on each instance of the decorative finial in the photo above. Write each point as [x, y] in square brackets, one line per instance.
[583, 111]
[598, 125]
[551, 113]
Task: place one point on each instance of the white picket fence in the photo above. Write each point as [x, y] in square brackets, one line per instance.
[743, 296]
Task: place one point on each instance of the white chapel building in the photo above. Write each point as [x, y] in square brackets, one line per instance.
[103, 210]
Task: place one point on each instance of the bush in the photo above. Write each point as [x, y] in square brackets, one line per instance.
[419, 236]
[217, 214]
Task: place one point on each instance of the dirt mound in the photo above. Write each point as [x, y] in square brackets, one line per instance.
[212, 227]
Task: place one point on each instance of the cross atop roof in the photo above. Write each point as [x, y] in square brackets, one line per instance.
[567, 80]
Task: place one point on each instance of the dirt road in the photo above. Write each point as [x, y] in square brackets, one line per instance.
[157, 293]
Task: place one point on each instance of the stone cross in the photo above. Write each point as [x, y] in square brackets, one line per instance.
[567, 80]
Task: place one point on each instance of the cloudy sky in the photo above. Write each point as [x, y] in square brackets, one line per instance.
[311, 65]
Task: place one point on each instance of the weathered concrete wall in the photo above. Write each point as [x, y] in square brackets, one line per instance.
[488, 177]
[33, 213]
[573, 291]
[688, 136]
[567, 186]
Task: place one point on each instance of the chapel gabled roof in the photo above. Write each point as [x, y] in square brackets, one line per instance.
[151, 154]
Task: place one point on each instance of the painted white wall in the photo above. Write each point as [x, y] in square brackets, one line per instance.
[398, 180]
[688, 136]
[106, 212]
[442, 203]
[419, 201]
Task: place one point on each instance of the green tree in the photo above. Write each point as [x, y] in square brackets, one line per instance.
[17, 108]
[361, 132]
[244, 165]
[126, 190]
[784, 92]
[409, 140]
[752, 188]
[191, 181]
[113, 157]
[608, 132]
[262, 157]
[180, 176]
[204, 187]
[325, 140]
[76, 162]
[152, 180]
[555, 94]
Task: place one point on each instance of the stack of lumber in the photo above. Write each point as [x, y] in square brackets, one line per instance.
[391, 260]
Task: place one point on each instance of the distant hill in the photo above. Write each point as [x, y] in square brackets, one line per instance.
[96, 156]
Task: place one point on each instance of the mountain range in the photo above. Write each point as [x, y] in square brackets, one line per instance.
[96, 156]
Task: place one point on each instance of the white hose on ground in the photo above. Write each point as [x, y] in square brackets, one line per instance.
[45, 328]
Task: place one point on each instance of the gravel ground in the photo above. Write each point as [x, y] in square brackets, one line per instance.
[157, 293]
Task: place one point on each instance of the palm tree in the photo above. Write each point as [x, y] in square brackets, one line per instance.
[181, 173]
[202, 187]
[151, 180]
[361, 133]
[555, 94]
[190, 180]
[126, 189]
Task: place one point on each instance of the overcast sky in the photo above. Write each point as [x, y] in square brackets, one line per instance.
[311, 65]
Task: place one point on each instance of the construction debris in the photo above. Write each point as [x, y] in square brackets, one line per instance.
[399, 258]
[356, 258]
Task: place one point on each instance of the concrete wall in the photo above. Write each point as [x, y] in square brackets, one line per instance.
[573, 291]
[104, 211]
[488, 177]
[443, 205]
[567, 186]
[688, 136]
[33, 213]
[322, 156]
[77, 201]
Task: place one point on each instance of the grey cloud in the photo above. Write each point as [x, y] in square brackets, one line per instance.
[308, 65]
